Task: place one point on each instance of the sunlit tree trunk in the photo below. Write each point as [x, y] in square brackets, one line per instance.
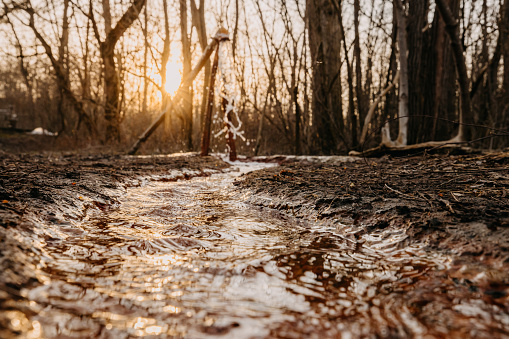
[165, 56]
[187, 102]
[62, 59]
[198, 20]
[235, 31]
[145, 60]
[351, 103]
[111, 78]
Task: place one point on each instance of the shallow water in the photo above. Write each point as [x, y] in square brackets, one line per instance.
[192, 259]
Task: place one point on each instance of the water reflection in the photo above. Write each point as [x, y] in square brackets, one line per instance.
[189, 259]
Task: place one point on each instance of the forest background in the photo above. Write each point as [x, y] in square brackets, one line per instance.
[312, 77]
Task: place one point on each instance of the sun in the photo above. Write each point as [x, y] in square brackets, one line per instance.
[173, 74]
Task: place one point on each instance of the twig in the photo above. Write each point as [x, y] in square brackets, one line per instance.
[403, 194]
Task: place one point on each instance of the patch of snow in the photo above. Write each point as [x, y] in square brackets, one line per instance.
[42, 131]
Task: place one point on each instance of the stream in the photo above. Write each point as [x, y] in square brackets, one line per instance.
[193, 259]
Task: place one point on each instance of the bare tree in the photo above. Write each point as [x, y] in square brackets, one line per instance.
[111, 78]
[60, 73]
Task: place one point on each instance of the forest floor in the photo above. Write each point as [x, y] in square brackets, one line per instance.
[457, 205]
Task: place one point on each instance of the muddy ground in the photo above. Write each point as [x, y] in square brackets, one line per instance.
[37, 186]
[458, 205]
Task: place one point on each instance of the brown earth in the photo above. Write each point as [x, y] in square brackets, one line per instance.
[457, 205]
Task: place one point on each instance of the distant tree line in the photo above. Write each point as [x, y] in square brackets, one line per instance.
[313, 76]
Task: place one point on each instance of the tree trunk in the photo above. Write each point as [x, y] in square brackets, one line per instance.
[504, 31]
[235, 31]
[111, 79]
[324, 45]
[361, 111]
[403, 79]
[442, 83]
[207, 119]
[62, 59]
[187, 102]
[145, 60]
[297, 146]
[198, 19]
[164, 63]
[419, 70]
[106, 16]
[451, 26]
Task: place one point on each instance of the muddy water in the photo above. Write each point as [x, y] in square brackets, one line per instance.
[191, 259]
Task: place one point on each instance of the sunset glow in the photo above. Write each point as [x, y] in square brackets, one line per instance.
[173, 75]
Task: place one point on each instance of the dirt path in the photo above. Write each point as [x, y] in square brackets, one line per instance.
[455, 205]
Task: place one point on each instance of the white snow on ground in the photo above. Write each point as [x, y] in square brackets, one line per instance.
[42, 131]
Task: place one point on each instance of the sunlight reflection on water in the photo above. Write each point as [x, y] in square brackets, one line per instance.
[190, 259]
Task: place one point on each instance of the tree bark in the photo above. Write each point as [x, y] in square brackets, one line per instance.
[439, 84]
[207, 120]
[106, 16]
[198, 19]
[165, 56]
[111, 79]
[358, 70]
[420, 71]
[504, 31]
[187, 102]
[145, 60]
[451, 27]
[403, 79]
[325, 47]
[297, 146]
[62, 59]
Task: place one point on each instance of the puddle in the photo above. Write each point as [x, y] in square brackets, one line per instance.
[191, 259]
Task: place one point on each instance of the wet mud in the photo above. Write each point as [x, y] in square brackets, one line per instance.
[457, 206]
[183, 246]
